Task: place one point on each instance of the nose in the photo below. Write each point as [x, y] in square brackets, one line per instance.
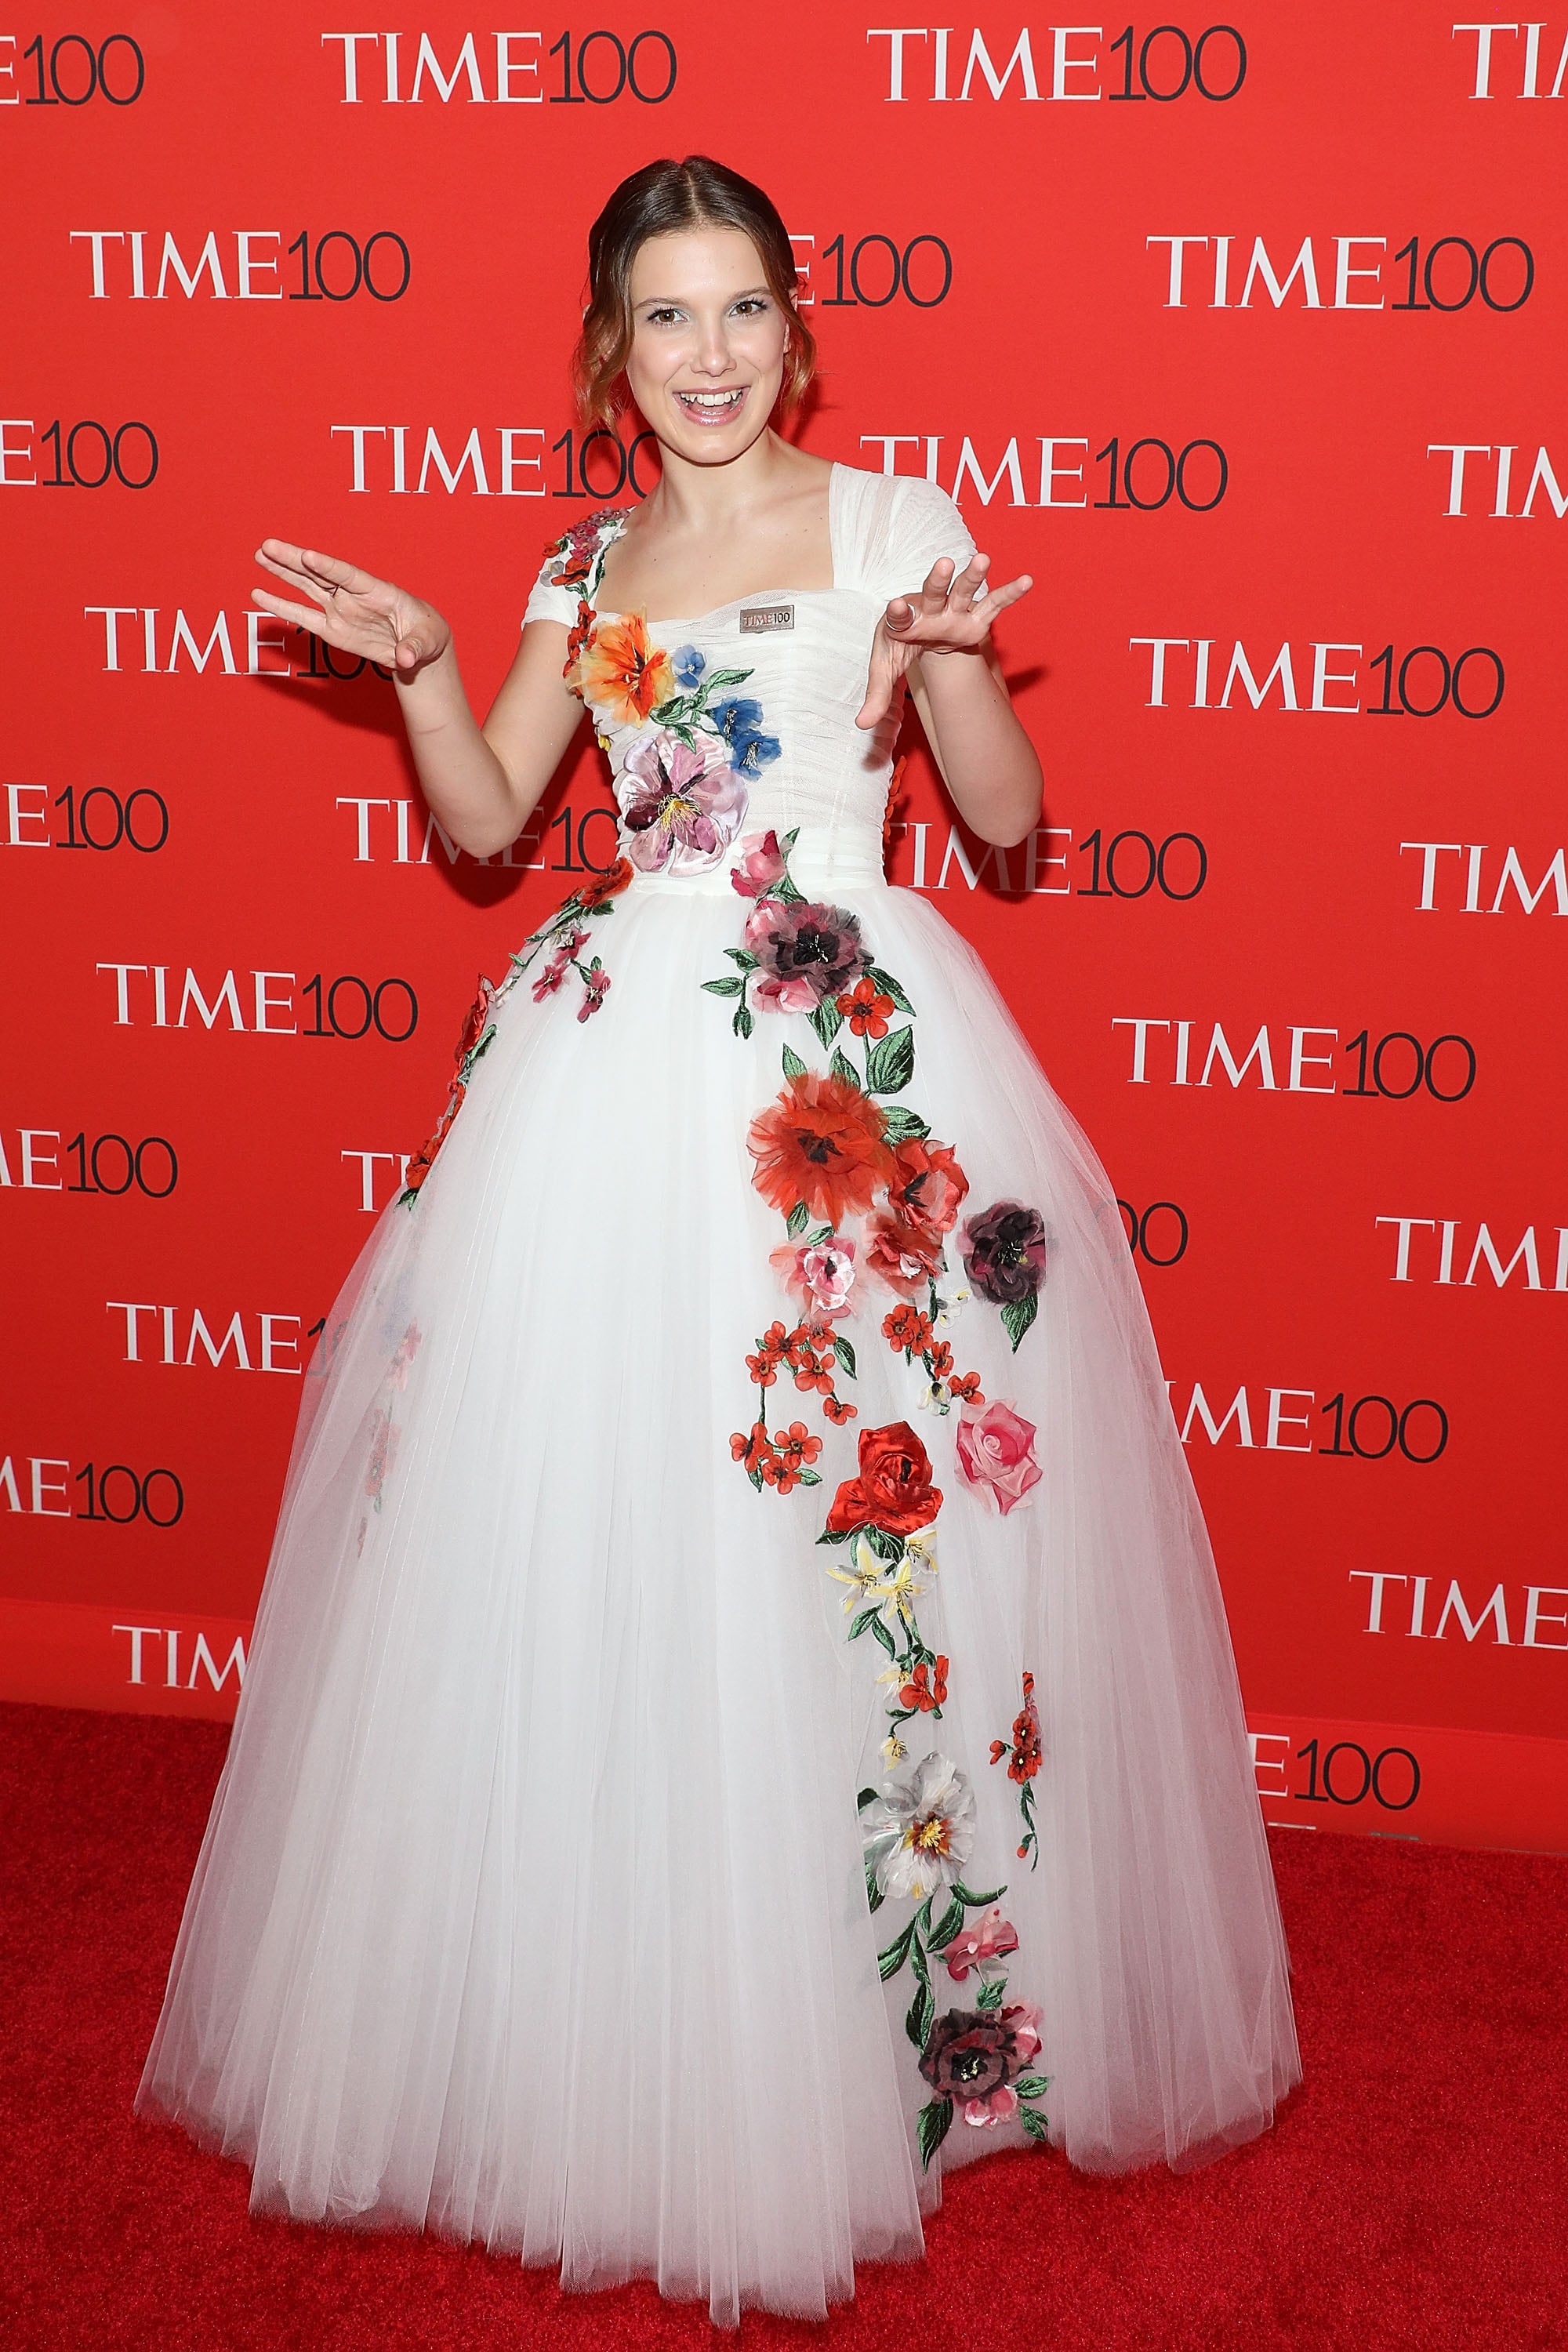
[712, 356]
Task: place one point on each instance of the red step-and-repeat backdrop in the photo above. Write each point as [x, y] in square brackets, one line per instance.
[1246, 338]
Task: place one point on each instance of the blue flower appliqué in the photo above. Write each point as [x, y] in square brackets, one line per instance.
[740, 722]
[688, 666]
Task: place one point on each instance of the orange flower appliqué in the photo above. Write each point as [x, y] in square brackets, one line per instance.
[821, 1143]
[620, 673]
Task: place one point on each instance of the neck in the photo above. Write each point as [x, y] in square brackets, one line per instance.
[710, 498]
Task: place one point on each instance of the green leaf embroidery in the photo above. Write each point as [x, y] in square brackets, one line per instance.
[1032, 2086]
[844, 1069]
[827, 1020]
[922, 2014]
[725, 987]
[899, 1123]
[744, 956]
[786, 891]
[743, 1024]
[990, 1996]
[873, 1894]
[886, 1547]
[931, 2127]
[889, 986]
[1033, 2123]
[793, 1067]
[823, 1234]
[866, 1797]
[1017, 1317]
[798, 1219]
[890, 1064]
[891, 1960]
[883, 1635]
[977, 1901]
[947, 1926]
[844, 1353]
[857, 1625]
[834, 1535]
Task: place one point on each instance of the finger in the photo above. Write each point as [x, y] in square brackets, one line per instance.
[279, 550]
[878, 692]
[296, 577]
[307, 565]
[1008, 594]
[970, 586]
[938, 582]
[334, 570]
[299, 616]
[978, 613]
[899, 614]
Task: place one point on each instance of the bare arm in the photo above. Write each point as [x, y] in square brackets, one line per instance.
[940, 639]
[481, 783]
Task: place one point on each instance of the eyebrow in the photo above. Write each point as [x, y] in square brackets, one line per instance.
[676, 301]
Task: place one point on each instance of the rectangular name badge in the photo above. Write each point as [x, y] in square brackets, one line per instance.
[756, 619]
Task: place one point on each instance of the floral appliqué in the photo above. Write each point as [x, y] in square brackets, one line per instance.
[1006, 1250]
[384, 1424]
[564, 934]
[917, 1833]
[1023, 1752]
[834, 1146]
[682, 787]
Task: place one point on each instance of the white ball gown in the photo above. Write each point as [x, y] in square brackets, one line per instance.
[740, 1716]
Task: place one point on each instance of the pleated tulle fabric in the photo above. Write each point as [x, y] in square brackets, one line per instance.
[532, 1908]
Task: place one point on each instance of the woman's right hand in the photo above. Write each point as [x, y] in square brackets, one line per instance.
[352, 610]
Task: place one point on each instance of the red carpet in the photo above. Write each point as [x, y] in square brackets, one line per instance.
[1414, 2193]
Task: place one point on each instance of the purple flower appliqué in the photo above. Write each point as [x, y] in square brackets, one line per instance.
[1003, 1250]
[681, 807]
[805, 952]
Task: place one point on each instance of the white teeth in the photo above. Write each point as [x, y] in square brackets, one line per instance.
[711, 399]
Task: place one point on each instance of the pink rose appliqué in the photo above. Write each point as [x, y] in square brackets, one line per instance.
[822, 1276]
[760, 866]
[988, 1939]
[997, 1455]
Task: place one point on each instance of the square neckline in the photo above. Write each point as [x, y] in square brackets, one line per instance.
[757, 595]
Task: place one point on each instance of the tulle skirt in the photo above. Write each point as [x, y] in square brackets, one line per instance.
[533, 1906]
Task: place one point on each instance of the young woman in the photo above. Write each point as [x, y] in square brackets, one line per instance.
[740, 1715]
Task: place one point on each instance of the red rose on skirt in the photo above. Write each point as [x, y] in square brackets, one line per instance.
[906, 1256]
[894, 1489]
[929, 1185]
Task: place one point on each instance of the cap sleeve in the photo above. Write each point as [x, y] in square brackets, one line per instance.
[546, 602]
[917, 523]
[571, 568]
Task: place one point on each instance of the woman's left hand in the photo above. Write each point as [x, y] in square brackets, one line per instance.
[950, 614]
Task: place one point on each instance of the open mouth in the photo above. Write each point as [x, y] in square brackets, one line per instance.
[713, 407]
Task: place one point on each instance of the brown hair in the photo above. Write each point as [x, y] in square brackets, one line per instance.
[694, 193]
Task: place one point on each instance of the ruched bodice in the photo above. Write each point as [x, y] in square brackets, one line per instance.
[747, 712]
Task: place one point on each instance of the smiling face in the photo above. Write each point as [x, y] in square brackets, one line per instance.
[708, 339]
